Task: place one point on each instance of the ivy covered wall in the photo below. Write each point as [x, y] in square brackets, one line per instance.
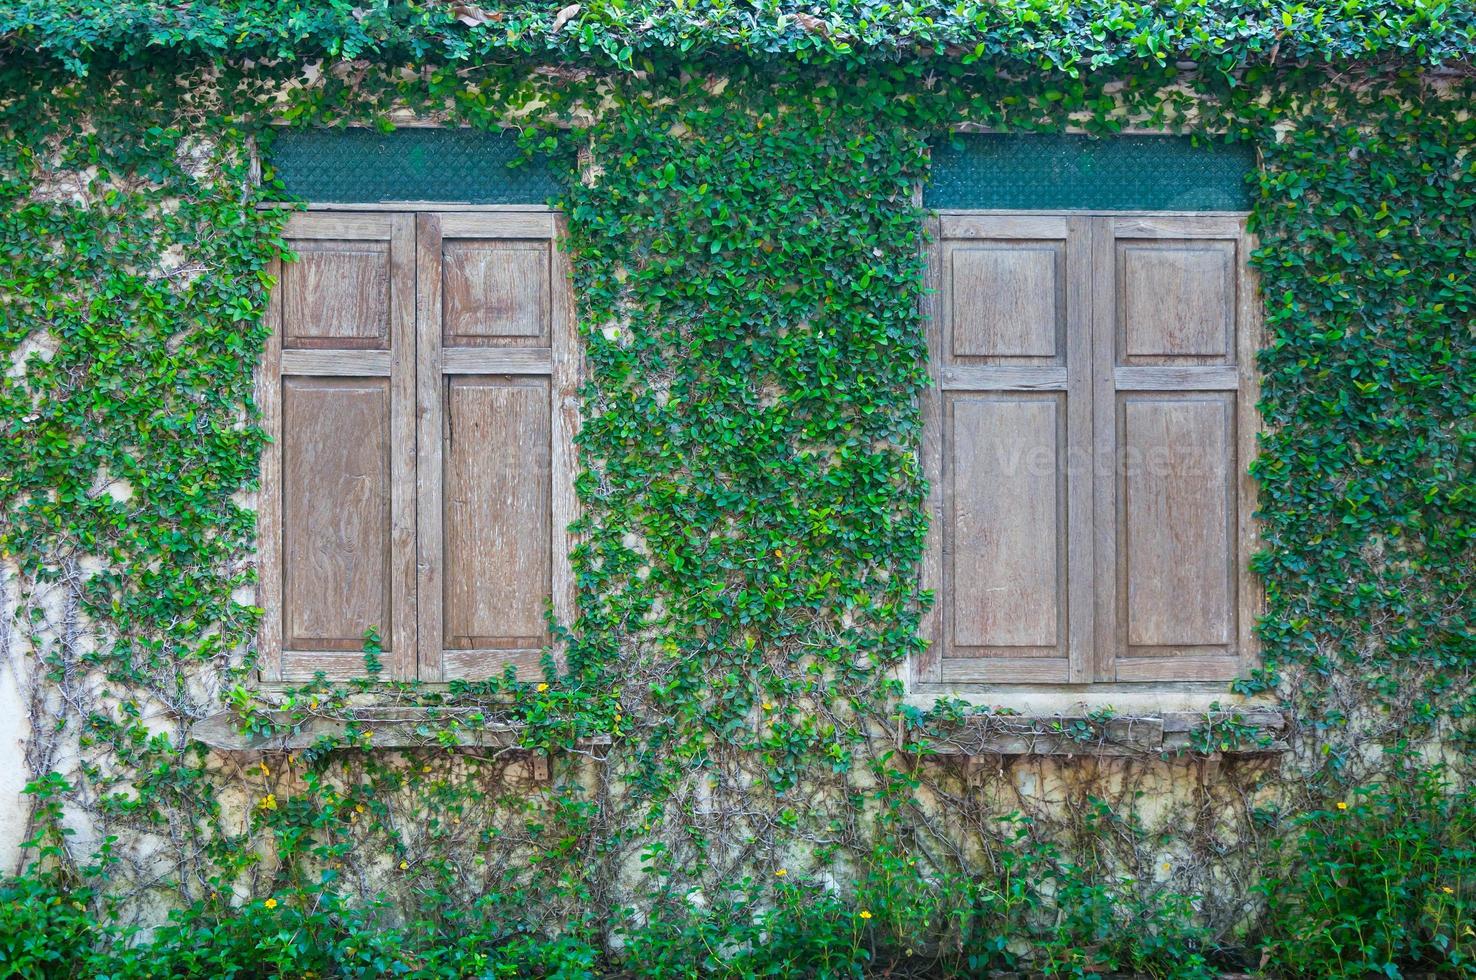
[740, 190]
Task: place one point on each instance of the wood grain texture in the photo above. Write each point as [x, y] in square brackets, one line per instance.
[498, 224]
[497, 360]
[1180, 665]
[429, 435]
[1164, 225]
[1191, 590]
[495, 292]
[1004, 670]
[357, 227]
[338, 363]
[1168, 306]
[968, 227]
[1104, 455]
[497, 512]
[1005, 301]
[1080, 473]
[1006, 462]
[1176, 520]
[1177, 378]
[404, 373]
[977, 377]
[567, 374]
[337, 520]
[1009, 612]
[1177, 302]
[496, 428]
[269, 499]
[404, 635]
[929, 663]
[336, 512]
[337, 295]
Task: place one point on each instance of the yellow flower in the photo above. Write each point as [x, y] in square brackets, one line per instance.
[313, 704]
[768, 706]
[618, 716]
[268, 802]
[1342, 805]
[865, 914]
[542, 688]
[358, 808]
[425, 769]
[1447, 889]
[404, 865]
[270, 903]
[781, 873]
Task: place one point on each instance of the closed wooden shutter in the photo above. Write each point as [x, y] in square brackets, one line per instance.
[1009, 423]
[1086, 440]
[337, 512]
[1175, 429]
[497, 416]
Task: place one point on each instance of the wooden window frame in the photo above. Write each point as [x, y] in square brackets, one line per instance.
[1094, 620]
[416, 365]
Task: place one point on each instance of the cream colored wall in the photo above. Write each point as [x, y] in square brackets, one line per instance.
[13, 731]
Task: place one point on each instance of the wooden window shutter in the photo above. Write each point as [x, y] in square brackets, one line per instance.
[1087, 436]
[1174, 433]
[336, 391]
[497, 417]
[1008, 423]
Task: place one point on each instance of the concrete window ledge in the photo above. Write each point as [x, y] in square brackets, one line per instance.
[1258, 731]
[398, 727]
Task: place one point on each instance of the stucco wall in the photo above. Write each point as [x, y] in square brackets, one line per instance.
[13, 731]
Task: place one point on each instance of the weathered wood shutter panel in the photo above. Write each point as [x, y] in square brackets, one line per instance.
[1010, 423]
[1086, 442]
[337, 396]
[497, 415]
[1174, 430]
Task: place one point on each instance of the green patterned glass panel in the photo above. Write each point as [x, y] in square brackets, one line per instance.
[1015, 172]
[365, 166]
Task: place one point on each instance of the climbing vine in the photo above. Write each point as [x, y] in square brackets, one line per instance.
[738, 785]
